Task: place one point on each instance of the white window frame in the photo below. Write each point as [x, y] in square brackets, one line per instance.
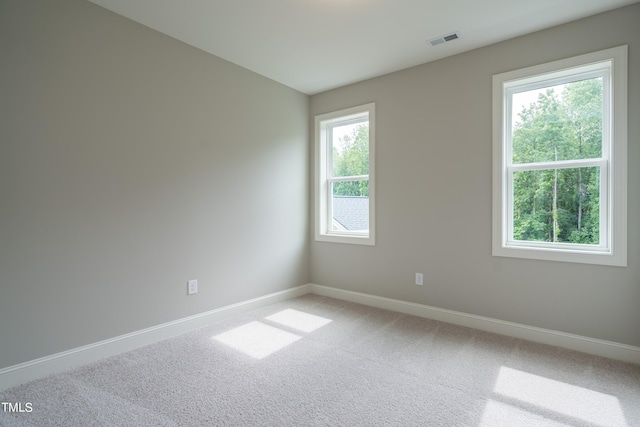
[323, 178]
[611, 64]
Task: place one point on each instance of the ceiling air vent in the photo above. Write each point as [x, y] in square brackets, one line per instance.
[444, 39]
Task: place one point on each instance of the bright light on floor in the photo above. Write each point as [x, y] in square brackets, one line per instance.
[503, 414]
[564, 399]
[299, 320]
[257, 339]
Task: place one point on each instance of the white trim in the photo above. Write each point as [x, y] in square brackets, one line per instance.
[323, 219]
[613, 350]
[611, 64]
[44, 366]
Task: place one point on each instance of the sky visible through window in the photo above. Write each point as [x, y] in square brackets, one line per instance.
[522, 100]
[339, 132]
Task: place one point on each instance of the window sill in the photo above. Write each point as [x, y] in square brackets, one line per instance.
[561, 255]
[343, 238]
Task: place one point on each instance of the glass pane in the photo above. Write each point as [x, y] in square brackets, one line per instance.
[562, 122]
[350, 206]
[557, 205]
[351, 149]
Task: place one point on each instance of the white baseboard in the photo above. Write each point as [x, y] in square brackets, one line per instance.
[613, 350]
[44, 366]
[38, 368]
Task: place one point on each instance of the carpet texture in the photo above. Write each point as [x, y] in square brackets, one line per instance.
[319, 361]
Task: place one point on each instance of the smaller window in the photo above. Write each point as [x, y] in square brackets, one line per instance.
[560, 160]
[344, 176]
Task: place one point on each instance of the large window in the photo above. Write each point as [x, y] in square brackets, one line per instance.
[560, 160]
[345, 176]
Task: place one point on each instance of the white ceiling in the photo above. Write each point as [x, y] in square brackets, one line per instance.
[316, 45]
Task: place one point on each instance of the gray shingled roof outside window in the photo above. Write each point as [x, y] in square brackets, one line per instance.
[351, 212]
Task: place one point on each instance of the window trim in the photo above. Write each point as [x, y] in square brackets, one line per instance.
[613, 169]
[323, 162]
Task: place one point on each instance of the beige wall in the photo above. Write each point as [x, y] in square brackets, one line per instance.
[433, 152]
[129, 164]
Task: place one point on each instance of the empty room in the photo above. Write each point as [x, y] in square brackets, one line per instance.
[319, 212]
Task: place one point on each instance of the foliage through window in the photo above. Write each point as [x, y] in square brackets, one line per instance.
[559, 192]
[344, 178]
[564, 123]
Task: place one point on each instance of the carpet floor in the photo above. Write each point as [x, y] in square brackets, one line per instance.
[320, 361]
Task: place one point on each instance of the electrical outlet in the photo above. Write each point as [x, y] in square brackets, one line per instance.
[419, 279]
[192, 287]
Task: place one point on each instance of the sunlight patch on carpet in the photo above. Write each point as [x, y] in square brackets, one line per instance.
[558, 397]
[299, 320]
[502, 414]
[257, 339]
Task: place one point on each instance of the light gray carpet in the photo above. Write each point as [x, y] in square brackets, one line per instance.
[320, 361]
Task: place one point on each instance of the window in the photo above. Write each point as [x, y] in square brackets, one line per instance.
[559, 160]
[345, 176]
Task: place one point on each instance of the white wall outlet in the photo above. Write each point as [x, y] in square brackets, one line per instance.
[192, 287]
[419, 279]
